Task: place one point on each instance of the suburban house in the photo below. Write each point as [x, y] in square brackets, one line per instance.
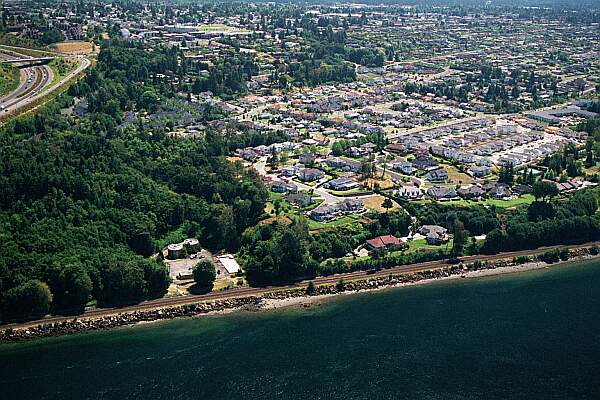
[434, 234]
[329, 212]
[289, 171]
[410, 192]
[343, 183]
[470, 192]
[424, 163]
[299, 199]
[405, 167]
[310, 174]
[498, 190]
[438, 175]
[307, 158]
[387, 242]
[477, 171]
[344, 165]
[438, 193]
[395, 148]
[283, 187]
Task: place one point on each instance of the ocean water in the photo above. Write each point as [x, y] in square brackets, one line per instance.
[534, 335]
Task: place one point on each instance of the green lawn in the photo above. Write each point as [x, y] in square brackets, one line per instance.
[525, 199]
[353, 192]
[9, 78]
[61, 67]
[421, 245]
[347, 220]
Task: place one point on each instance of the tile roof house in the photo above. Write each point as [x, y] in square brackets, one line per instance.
[387, 242]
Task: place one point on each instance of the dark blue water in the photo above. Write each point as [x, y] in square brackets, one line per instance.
[529, 336]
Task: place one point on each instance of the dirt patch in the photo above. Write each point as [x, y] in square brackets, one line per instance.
[75, 47]
[376, 203]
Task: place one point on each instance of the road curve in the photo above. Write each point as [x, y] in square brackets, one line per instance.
[36, 83]
[259, 291]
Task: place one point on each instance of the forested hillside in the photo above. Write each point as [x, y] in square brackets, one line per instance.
[82, 202]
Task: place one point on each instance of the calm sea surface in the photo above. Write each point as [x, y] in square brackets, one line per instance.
[529, 336]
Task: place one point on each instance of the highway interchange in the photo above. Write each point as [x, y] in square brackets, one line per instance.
[35, 81]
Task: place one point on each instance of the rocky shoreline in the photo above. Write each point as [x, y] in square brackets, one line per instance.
[83, 324]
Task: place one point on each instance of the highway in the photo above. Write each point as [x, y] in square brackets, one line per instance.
[35, 83]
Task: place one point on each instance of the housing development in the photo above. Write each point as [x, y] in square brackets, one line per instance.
[211, 146]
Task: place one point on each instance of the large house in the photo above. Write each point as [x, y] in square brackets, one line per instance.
[434, 234]
[299, 199]
[446, 193]
[410, 192]
[343, 183]
[344, 165]
[477, 171]
[283, 187]
[438, 175]
[310, 174]
[387, 242]
[471, 192]
[329, 212]
[405, 167]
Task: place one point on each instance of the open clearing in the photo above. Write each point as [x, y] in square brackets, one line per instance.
[74, 47]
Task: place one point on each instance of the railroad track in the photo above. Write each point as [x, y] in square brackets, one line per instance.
[259, 291]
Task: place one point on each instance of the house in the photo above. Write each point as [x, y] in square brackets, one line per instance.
[438, 175]
[434, 234]
[344, 165]
[289, 171]
[310, 174]
[522, 189]
[387, 242]
[395, 148]
[567, 186]
[499, 191]
[424, 163]
[307, 158]
[329, 212]
[343, 183]
[299, 199]
[410, 192]
[406, 167]
[283, 187]
[470, 192]
[438, 193]
[477, 171]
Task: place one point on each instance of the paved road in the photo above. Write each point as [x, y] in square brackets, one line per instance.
[244, 292]
[35, 83]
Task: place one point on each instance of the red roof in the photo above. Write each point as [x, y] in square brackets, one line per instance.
[383, 241]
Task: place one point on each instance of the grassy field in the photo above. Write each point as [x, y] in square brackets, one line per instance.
[347, 220]
[525, 199]
[421, 245]
[61, 67]
[9, 78]
[376, 202]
